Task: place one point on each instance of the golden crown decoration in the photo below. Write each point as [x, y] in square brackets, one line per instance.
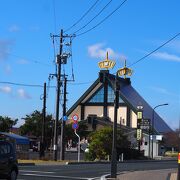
[125, 71]
[107, 63]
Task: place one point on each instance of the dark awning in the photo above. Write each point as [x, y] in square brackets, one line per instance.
[19, 139]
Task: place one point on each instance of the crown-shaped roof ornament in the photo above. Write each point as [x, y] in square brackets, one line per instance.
[107, 63]
[125, 71]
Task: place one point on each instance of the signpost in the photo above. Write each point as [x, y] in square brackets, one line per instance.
[75, 126]
[78, 145]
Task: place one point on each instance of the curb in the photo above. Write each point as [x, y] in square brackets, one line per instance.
[26, 164]
[88, 162]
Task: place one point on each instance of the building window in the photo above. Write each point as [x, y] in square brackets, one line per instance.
[98, 97]
[111, 95]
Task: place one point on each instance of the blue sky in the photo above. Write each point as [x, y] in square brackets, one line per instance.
[137, 28]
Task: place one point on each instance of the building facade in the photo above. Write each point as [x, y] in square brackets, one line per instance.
[98, 101]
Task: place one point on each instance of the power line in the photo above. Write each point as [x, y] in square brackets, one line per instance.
[22, 84]
[155, 50]
[94, 17]
[54, 13]
[82, 16]
[102, 20]
[81, 83]
[34, 61]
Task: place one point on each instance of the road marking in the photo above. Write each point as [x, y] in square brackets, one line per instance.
[37, 171]
[53, 176]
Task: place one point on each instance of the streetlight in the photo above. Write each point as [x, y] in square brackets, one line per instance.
[107, 64]
[152, 128]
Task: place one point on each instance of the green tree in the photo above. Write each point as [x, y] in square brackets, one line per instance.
[6, 123]
[81, 131]
[101, 143]
[33, 126]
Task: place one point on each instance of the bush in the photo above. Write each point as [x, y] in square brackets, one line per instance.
[129, 153]
[171, 154]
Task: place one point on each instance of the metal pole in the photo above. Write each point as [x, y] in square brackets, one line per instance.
[63, 123]
[152, 133]
[149, 148]
[178, 174]
[78, 145]
[114, 145]
[58, 96]
[152, 128]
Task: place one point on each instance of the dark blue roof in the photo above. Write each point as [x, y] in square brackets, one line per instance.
[132, 98]
[19, 139]
[135, 99]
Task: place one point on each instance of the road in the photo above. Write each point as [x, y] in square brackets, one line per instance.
[86, 171]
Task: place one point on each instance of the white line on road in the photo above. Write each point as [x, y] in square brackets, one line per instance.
[37, 171]
[53, 176]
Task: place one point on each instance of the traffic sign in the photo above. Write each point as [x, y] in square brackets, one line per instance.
[145, 124]
[75, 117]
[65, 118]
[139, 134]
[75, 126]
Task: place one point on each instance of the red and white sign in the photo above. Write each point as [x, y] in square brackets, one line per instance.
[75, 117]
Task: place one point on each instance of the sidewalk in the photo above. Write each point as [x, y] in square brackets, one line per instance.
[164, 174]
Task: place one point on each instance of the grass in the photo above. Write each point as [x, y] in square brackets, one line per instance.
[39, 161]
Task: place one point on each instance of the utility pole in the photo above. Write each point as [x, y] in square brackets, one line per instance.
[42, 145]
[63, 121]
[58, 95]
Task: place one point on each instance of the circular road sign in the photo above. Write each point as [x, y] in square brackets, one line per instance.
[75, 117]
[75, 126]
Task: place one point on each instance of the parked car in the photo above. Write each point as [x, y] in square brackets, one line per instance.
[8, 161]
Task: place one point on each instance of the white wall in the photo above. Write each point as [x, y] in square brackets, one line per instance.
[122, 112]
[98, 110]
[133, 119]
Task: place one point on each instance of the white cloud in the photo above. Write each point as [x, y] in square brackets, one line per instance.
[8, 69]
[22, 61]
[5, 46]
[167, 56]
[14, 28]
[99, 51]
[162, 91]
[23, 94]
[34, 28]
[5, 89]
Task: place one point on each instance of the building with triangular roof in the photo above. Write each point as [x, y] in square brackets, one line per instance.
[98, 103]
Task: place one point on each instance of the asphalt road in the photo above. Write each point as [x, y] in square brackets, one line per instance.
[86, 171]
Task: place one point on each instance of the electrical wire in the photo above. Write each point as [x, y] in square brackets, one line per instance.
[22, 84]
[90, 82]
[172, 38]
[34, 61]
[54, 14]
[84, 15]
[102, 20]
[94, 17]
[72, 69]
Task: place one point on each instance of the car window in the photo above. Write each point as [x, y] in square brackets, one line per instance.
[5, 149]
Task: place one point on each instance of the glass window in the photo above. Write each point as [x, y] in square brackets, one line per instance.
[98, 97]
[111, 95]
[5, 149]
